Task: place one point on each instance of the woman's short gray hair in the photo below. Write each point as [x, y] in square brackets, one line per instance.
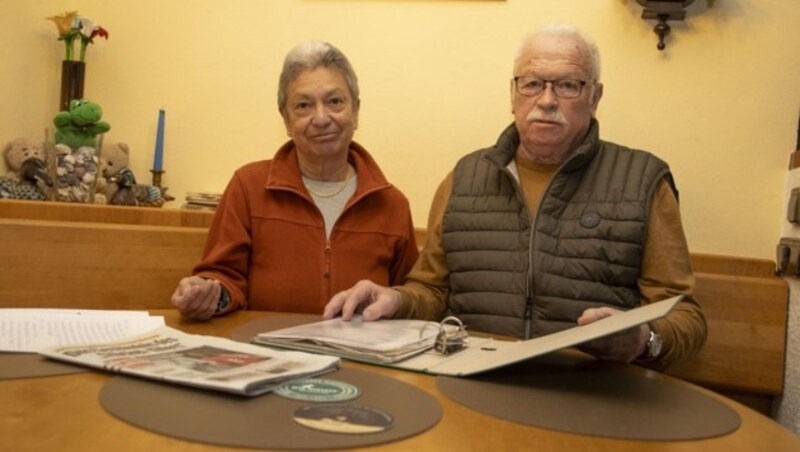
[572, 32]
[311, 55]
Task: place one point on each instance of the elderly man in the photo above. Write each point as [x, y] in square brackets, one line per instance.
[552, 227]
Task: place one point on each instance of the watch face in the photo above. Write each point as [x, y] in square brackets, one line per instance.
[654, 345]
[224, 301]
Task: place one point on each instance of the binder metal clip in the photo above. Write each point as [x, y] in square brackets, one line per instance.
[452, 336]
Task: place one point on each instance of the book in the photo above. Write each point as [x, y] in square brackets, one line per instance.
[28, 330]
[207, 362]
[479, 354]
[199, 200]
[382, 341]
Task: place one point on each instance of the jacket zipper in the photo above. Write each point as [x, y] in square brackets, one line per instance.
[328, 244]
[327, 273]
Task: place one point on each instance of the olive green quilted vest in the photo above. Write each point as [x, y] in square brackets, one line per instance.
[521, 274]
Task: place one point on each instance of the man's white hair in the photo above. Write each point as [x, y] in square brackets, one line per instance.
[568, 31]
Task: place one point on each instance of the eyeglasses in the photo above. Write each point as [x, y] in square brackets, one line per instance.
[563, 89]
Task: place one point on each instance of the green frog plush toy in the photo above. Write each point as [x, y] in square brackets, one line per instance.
[80, 125]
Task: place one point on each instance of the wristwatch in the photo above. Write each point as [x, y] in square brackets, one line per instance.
[653, 348]
[224, 300]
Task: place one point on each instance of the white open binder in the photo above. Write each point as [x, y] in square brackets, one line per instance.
[479, 354]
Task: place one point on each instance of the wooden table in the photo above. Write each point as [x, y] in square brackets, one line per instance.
[62, 413]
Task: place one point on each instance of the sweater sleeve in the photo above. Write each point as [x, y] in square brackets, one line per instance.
[424, 294]
[667, 272]
[406, 252]
[226, 255]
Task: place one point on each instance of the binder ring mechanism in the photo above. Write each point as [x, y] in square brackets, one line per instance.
[452, 335]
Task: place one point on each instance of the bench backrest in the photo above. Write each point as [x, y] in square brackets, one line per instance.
[66, 255]
[746, 308]
[108, 257]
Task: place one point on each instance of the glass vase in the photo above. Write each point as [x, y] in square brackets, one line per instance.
[75, 172]
[73, 74]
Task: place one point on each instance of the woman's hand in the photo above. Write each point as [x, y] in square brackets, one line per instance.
[197, 298]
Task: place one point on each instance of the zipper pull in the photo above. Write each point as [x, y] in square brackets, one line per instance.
[327, 273]
[528, 316]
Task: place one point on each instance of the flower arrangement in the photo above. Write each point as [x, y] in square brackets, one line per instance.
[71, 26]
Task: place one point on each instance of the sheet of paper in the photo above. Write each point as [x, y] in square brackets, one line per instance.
[29, 330]
[54, 311]
[379, 336]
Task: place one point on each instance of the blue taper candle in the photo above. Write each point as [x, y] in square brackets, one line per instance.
[158, 159]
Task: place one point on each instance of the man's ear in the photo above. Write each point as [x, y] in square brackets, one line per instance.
[513, 93]
[597, 94]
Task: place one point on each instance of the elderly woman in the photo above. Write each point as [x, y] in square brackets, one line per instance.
[319, 216]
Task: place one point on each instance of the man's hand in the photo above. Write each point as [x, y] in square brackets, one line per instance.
[197, 298]
[624, 346]
[372, 300]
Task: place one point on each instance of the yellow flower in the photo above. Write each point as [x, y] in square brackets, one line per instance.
[64, 22]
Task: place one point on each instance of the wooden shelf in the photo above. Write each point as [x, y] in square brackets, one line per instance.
[97, 213]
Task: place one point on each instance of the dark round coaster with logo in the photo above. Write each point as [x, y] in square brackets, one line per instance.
[269, 421]
[30, 365]
[577, 394]
[318, 390]
[347, 419]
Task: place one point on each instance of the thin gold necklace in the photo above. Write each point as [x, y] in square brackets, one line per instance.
[335, 192]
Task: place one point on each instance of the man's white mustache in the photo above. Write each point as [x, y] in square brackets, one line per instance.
[556, 117]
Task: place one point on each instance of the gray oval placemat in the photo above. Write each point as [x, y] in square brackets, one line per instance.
[581, 395]
[265, 421]
[30, 365]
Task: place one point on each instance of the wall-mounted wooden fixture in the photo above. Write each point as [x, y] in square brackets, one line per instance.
[663, 11]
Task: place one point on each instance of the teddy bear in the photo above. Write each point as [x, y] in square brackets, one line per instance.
[80, 125]
[113, 158]
[27, 174]
[117, 184]
[17, 151]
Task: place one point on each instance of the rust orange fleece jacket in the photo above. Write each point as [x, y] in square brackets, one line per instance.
[267, 243]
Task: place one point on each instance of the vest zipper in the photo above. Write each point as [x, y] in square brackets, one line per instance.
[534, 216]
[527, 316]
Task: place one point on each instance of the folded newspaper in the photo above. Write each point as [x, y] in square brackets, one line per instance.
[202, 361]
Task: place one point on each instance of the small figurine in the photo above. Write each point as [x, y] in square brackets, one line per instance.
[17, 151]
[120, 187]
[27, 171]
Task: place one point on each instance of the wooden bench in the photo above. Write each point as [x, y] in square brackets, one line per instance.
[63, 255]
[746, 308]
[108, 257]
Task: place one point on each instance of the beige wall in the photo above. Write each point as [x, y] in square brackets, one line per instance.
[720, 104]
